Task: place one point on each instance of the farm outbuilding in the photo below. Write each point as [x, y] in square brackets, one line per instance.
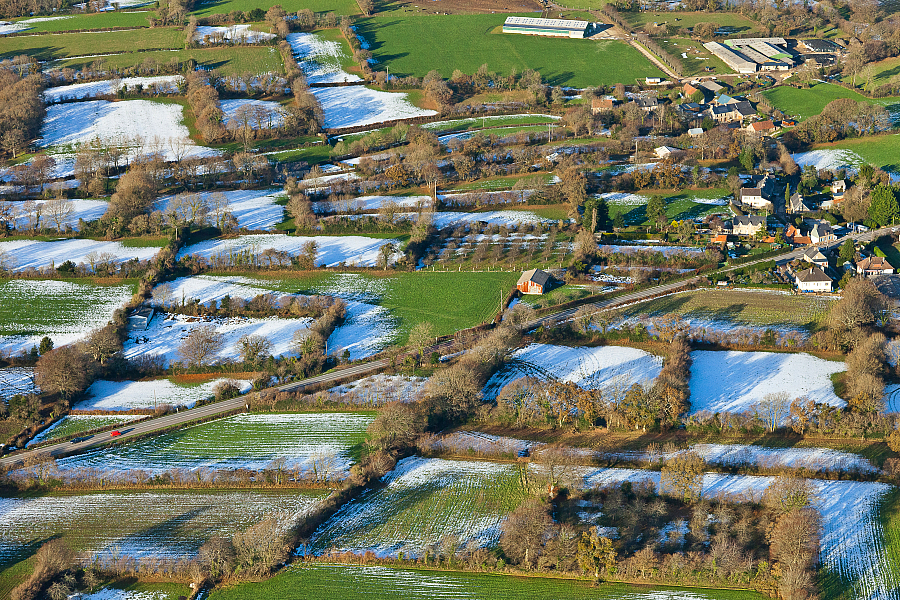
[550, 27]
[534, 281]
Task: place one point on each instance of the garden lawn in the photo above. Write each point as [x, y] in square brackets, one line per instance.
[752, 308]
[65, 45]
[90, 21]
[342, 582]
[424, 502]
[414, 45]
[227, 59]
[141, 523]
[250, 441]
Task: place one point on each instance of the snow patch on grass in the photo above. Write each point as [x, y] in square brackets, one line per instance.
[25, 254]
[493, 217]
[831, 160]
[376, 390]
[16, 380]
[358, 105]
[590, 368]
[80, 423]
[233, 33]
[270, 113]
[320, 59]
[126, 395]
[253, 209]
[732, 381]
[369, 203]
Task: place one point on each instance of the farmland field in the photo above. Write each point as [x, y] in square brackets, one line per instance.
[810, 102]
[63, 310]
[425, 501]
[880, 151]
[415, 45]
[679, 19]
[125, 395]
[229, 60]
[250, 441]
[64, 45]
[89, 21]
[591, 368]
[140, 591]
[339, 582]
[341, 7]
[169, 523]
[753, 308]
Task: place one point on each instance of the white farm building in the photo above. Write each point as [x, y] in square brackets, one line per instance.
[551, 27]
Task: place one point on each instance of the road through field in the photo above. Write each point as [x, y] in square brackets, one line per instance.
[207, 411]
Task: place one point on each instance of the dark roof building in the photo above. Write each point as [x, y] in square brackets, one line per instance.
[534, 281]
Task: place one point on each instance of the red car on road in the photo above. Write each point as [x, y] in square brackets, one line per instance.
[115, 433]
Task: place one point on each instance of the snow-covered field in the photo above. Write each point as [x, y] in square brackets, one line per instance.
[461, 442]
[369, 203]
[320, 59]
[626, 199]
[424, 502]
[376, 390]
[485, 121]
[141, 524]
[89, 210]
[166, 332]
[126, 395]
[24, 254]
[77, 309]
[263, 114]
[591, 368]
[120, 594]
[144, 126]
[208, 288]
[829, 159]
[233, 33]
[253, 209]
[349, 249]
[245, 441]
[16, 380]
[79, 91]
[7, 27]
[494, 217]
[852, 537]
[358, 105]
[732, 381]
[367, 329]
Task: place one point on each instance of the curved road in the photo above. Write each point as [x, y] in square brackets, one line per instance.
[210, 410]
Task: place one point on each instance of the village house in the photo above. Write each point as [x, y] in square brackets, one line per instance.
[647, 103]
[794, 237]
[748, 225]
[534, 281]
[761, 127]
[601, 105]
[874, 266]
[821, 232]
[695, 132]
[689, 90]
[759, 196]
[797, 204]
[665, 152]
[816, 257]
[813, 280]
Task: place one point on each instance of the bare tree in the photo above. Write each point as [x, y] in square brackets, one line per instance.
[201, 345]
[421, 336]
[58, 211]
[65, 370]
[772, 409]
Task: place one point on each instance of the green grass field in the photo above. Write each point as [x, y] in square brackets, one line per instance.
[341, 7]
[880, 151]
[91, 21]
[678, 206]
[251, 441]
[66, 45]
[456, 125]
[885, 71]
[145, 523]
[449, 301]
[698, 57]
[417, 44]
[678, 19]
[58, 307]
[740, 308]
[810, 102]
[230, 61]
[426, 501]
[340, 582]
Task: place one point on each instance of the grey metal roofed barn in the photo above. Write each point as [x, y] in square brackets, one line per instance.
[551, 27]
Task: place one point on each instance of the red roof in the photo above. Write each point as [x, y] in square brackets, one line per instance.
[762, 126]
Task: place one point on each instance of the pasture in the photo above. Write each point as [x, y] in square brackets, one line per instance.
[809, 102]
[90, 21]
[686, 20]
[228, 60]
[340, 582]
[880, 151]
[417, 44]
[64, 45]
[340, 7]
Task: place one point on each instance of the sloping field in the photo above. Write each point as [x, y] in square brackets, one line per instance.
[169, 523]
[22, 254]
[593, 368]
[249, 441]
[733, 381]
[332, 250]
[339, 582]
[125, 395]
[425, 501]
[65, 311]
[414, 45]
[253, 209]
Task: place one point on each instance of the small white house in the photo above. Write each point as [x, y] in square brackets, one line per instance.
[665, 151]
[813, 280]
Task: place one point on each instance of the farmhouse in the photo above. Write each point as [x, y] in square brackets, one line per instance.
[813, 280]
[748, 225]
[761, 127]
[599, 105]
[534, 281]
[874, 266]
[549, 27]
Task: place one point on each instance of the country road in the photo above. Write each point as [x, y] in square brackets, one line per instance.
[211, 410]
